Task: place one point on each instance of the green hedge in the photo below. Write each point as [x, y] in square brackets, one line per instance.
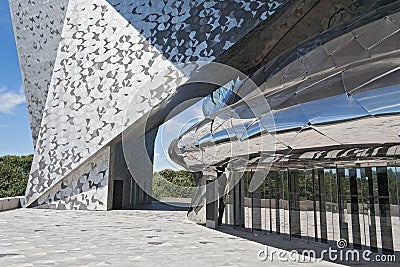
[164, 184]
[14, 172]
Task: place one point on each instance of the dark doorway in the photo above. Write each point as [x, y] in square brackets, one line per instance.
[117, 195]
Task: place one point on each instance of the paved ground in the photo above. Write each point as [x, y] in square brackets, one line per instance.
[155, 237]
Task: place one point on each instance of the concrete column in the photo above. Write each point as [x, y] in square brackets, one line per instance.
[196, 211]
[239, 203]
[256, 208]
[229, 199]
[222, 184]
[341, 183]
[355, 215]
[211, 203]
[294, 204]
[384, 210]
[322, 205]
[371, 201]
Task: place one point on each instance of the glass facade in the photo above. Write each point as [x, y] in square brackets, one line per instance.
[327, 137]
[359, 204]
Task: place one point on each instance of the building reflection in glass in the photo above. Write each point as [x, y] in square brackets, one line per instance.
[359, 204]
[333, 119]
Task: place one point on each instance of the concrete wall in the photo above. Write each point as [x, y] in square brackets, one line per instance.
[130, 193]
[10, 203]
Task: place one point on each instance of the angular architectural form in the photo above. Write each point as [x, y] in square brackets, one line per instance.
[319, 161]
[85, 62]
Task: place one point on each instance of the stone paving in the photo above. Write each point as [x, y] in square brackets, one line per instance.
[35, 237]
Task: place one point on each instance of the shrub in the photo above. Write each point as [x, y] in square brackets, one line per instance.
[164, 181]
[14, 172]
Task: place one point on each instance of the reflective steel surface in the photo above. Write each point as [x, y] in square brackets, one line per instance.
[342, 94]
[324, 149]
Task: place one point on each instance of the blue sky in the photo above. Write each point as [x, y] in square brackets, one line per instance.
[171, 130]
[15, 134]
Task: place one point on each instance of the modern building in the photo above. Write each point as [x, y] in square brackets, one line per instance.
[84, 63]
[320, 160]
[303, 143]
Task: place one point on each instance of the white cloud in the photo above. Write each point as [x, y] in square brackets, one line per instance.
[9, 99]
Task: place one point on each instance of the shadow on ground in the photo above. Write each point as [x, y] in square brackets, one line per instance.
[300, 245]
[272, 240]
[163, 206]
